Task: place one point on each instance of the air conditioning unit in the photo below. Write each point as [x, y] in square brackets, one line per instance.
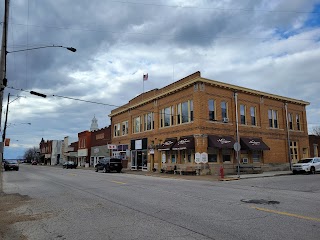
[225, 120]
[245, 160]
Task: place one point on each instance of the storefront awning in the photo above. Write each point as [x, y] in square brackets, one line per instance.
[184, 143]
[220, 142]
[253, 144]
[167, 145]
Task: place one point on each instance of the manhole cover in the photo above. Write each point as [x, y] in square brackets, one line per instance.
[259, 201]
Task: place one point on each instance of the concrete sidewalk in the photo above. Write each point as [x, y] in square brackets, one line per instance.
[209, 177]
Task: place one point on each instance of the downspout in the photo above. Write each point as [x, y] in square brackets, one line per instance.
[288, 134]
[237, 131]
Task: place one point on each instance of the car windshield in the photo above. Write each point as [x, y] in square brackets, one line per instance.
[306, 160]
[115, 160]
[12, 161]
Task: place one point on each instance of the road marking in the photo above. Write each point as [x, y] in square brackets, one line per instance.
[287, 214]
[118, 182]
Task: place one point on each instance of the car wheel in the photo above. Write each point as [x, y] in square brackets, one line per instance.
[104, 169]
[96, 169]
[312, 170]
[17, 169]
[118, 171]
[294, 172]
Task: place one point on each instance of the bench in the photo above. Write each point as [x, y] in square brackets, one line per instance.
[168, 169]
[187, 170]
[249, 168]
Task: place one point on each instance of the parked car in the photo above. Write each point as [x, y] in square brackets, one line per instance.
[108, 164]
[309, 165]
[11, 165]
[69, 164]
[34, 163]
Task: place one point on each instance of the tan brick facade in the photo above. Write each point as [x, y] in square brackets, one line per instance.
[191, 97]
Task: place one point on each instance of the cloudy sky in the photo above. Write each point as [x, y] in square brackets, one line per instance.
[267, 45]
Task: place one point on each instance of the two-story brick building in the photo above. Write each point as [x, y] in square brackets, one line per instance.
[84, 148]
[198, 118]
[100, 139]
[314, 142]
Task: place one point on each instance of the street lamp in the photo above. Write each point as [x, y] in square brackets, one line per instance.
[49, 46]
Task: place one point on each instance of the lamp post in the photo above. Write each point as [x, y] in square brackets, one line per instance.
[3, 70]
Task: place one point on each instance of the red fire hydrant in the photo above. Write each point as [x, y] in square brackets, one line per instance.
[221, 172]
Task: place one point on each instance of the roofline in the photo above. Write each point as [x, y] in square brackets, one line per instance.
[191, 81]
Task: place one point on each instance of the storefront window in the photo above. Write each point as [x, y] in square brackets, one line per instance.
[226, 155]
[212, 155]
[173, 158]
[256, 156]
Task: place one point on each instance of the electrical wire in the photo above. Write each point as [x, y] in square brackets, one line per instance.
[128, 108]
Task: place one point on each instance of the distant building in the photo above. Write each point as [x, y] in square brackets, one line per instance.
[314, 144]
[84, 148]
[94, 124]
[100, 139]
[50, 151]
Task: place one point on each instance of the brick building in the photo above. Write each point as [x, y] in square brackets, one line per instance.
[314, 142]
[198, 120]
[84, 148]
[99, 144]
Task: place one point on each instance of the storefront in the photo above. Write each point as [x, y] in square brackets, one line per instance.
[139, 154]
[98, 153]
[220, 149]
[252, 150]
[184, 150]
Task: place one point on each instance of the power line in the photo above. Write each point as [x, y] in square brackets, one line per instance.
[128, 108]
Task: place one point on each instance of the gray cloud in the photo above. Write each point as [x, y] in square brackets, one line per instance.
[264, 45]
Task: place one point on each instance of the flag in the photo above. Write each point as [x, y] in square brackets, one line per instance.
[145, 77]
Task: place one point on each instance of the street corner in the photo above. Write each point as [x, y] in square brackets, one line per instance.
[229, 179]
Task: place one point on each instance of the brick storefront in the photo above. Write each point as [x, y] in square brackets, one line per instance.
[171, 126]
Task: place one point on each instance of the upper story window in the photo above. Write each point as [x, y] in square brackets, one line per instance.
[125, 128]
[273, 118]
[211, 108]
[117, 130]
[242, 114]
[166, 117]
[253, 114]
[148, 121]
[137, 124]
[290, 121]
[298, 122]
[185, 112]
[224, 109]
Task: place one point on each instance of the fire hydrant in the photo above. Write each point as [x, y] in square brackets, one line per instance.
[221, 172]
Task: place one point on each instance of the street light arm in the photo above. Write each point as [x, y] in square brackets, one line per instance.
[50, 46]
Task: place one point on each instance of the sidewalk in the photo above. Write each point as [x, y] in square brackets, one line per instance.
[209, 177]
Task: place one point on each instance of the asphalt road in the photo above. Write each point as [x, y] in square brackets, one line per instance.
[82, 204]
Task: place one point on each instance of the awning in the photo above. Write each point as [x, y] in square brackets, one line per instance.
[184, 143]
[167, 145]
[253, 144]
[220, 142]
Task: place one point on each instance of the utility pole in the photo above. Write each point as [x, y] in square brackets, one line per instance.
[6, 121]
[3, 79]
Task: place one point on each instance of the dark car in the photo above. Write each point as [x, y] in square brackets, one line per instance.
[109, 164]
[69, 164]
[34, 163]
[11, 165]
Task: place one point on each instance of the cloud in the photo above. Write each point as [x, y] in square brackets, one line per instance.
[265, 45]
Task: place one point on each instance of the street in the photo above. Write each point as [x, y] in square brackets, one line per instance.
[82, 204]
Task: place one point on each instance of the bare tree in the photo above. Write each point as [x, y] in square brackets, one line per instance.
[316, 131]
[31, 154]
